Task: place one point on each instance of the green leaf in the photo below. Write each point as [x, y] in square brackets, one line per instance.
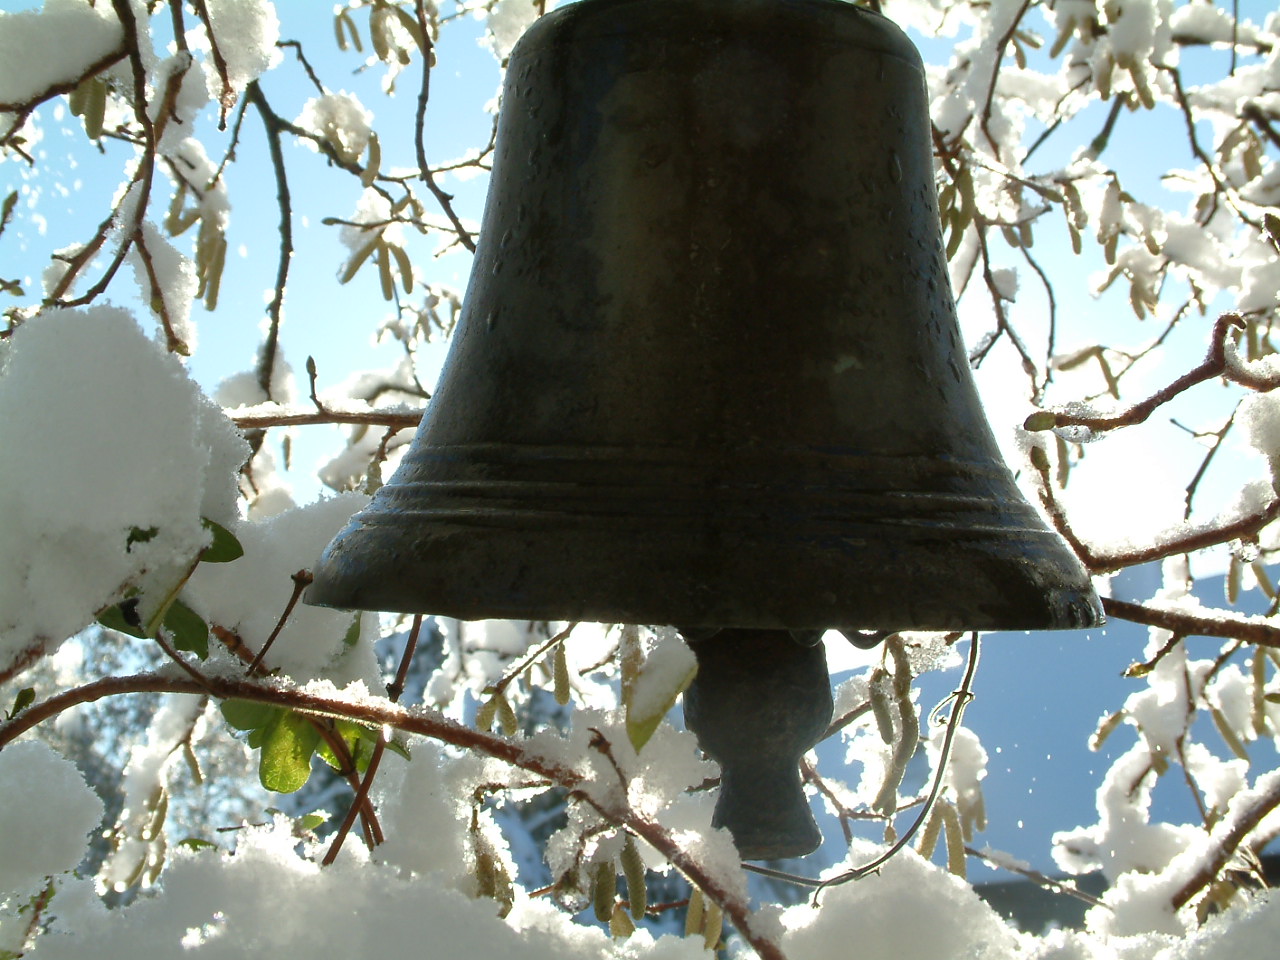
[247, 714]
[189, 631]
[123, 618]
[666, 673]
[197, 843]
[1040, 420]
[139, 535]
[360, 741]
[224, 547]
[486, 714]
[398, 748]
[1272, 224]
[352, 636]
[313, 821]
[25, 698]
[288, 743]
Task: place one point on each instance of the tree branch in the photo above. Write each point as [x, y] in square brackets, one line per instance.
[1215, 364]
[425, 722]
[1187, 623]
[419, 140]
[1228, 836]
[273, 124]
[372, 418]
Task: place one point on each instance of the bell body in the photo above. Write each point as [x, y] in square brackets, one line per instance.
[708, 370]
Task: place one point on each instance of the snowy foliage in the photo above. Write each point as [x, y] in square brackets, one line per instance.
[517, 790]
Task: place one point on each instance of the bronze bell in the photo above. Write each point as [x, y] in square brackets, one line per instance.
[709, 374]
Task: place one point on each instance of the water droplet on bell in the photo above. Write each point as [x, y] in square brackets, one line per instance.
[895, 167]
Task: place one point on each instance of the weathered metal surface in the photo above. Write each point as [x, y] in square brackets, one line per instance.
[708, 370]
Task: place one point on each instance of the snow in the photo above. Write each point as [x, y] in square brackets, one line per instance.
[135, 843]
[1006, 283]
[507, 21]
[1124, 840]
[425, 808]
[175, 279]
[967, 767]
[1260, 283]
[76, 512]
[246, 32]
[249, 595]
[176, 118]
[673, 764]
[1260, 416]
[81, 33]
[879, 917]
[1203, 21]
[341, 120]
[1131, 29]
[1141, 902]
[668, 668]
[267, 901]
[1219, 780]
[46, 809]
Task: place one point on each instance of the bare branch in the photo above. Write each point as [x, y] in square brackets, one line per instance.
[424, 94]
[1214, 365]
[273, 124]
[1229, 834]
[1186, 623]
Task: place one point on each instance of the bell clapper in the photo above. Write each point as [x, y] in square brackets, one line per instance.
[761, 699]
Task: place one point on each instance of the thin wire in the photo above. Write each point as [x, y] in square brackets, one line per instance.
[962, 698]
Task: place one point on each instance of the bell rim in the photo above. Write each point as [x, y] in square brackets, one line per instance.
[470, 571]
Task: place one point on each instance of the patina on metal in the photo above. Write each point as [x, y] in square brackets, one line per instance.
[708, 370]
[760, 701]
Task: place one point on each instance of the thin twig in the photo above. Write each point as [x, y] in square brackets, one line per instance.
[995, 74]
[228, 95]
[273, 124]
[1035, 876]
[371, 418]
[1194, 483]
[394, 689]
[296, 47]
[177, 658]
[430, 723]
[301, 580]
[529, 659]
[962, 697]
[420, 720]
[419, 126]
[1227, 838]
